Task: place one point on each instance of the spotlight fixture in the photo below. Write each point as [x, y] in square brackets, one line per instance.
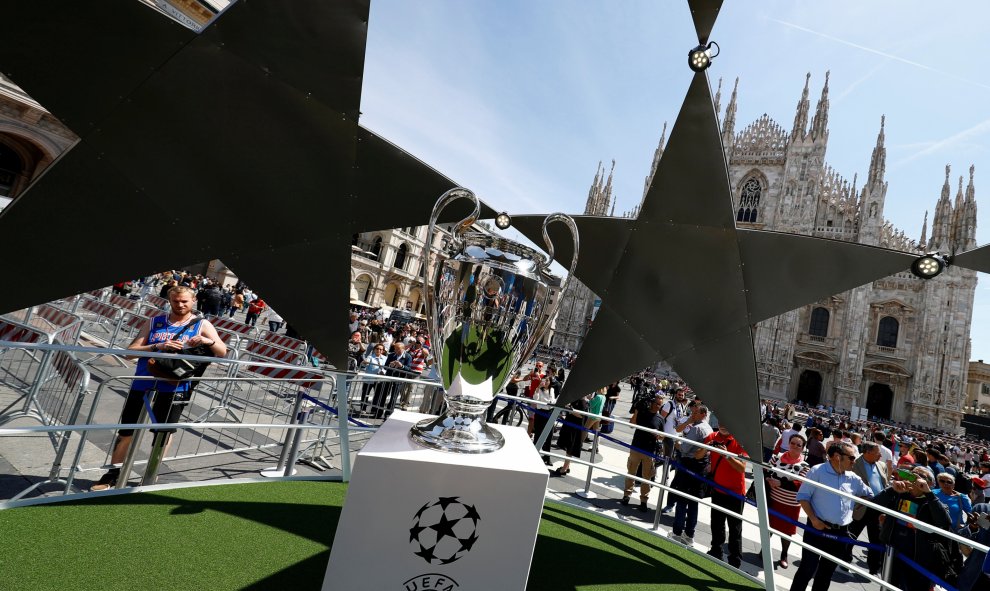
[701, 56]
[503, 221]
[929, 265]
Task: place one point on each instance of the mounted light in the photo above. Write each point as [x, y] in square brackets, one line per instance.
[929, 265]
[701, 57]
[503, 221]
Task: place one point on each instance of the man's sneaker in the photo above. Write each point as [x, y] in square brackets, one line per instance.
[666, 509]
[715, 553]
[735, 561]
[688, 540]
[676, 538]
[642, 507]
[625, 500]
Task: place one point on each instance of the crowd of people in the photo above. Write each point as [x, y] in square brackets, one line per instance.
[212, 298]
[933, 477]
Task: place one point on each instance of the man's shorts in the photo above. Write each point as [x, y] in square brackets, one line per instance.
[167, 408]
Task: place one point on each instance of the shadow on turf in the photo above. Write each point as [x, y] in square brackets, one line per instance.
[557, 563]
[315, 522]
[561, 564]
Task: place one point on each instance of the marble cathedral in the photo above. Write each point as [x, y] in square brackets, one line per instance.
[898, 346]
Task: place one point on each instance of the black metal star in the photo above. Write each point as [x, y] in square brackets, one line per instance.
[240, 143]
[682, 283]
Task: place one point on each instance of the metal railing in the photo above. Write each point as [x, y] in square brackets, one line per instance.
[275, 400]
[299, 422]
[761, 504]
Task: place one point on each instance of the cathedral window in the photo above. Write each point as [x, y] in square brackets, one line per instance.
[819, 322]
[749, 200]
[376, 248]
[887, 332]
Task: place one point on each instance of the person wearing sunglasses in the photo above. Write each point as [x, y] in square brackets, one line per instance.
[828, 513]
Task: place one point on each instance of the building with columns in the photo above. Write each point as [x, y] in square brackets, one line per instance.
[387, 267]
[978, 388]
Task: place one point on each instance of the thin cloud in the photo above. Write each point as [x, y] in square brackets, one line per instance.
[889, 56]
[978, 129]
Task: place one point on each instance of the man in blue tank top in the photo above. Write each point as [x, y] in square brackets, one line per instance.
[164, 333]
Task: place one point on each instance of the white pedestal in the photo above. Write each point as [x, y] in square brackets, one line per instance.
[402, 497]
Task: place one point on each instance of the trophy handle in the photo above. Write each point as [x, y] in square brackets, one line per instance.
[551, 312]
[446, 199]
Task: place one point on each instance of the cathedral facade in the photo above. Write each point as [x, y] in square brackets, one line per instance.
[898, 346]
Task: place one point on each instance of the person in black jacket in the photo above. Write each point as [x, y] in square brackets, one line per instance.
[928, 550]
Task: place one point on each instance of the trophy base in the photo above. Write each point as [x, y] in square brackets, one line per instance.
[463, 434]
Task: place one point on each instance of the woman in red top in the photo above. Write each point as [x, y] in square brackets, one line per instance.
[783, 491]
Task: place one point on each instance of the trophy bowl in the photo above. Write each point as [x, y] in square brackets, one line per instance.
[488, 305]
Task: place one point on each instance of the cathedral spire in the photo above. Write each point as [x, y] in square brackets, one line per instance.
[924, 231]
[594, 193]
[607, 192]
[969, 218]
[878, 162]
[656, 160]
[943, 217]
[718, 98]
[957, 232]
[729, 123]
[819, 125]
[801, 116]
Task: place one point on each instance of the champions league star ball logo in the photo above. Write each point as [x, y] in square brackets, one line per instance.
[444, 530]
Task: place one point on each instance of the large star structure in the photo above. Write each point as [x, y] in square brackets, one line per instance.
[681, 283]
[240, 142]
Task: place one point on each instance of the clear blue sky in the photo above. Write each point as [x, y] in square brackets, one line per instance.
[520, 100]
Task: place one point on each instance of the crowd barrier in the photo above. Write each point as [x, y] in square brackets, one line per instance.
[761, 503]
[56, 398]
[281, 340]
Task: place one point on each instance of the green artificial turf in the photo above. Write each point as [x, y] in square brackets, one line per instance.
[277, 536]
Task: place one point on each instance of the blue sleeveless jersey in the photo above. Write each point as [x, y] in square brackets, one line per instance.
[162, 331]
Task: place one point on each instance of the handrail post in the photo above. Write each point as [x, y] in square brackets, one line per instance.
[340, 386]
[586, 493]
[663, 481]
[763, 516]
[158, 442]
[280, 467]
[299, 416]
[888, 563]
[125, 469]
[548, 429]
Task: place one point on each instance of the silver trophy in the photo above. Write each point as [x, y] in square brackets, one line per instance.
[488, 305]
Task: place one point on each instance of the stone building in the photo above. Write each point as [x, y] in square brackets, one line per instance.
[577, 303]
[387, 267]
[978, 388]
[30, 139]
[898, 346]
